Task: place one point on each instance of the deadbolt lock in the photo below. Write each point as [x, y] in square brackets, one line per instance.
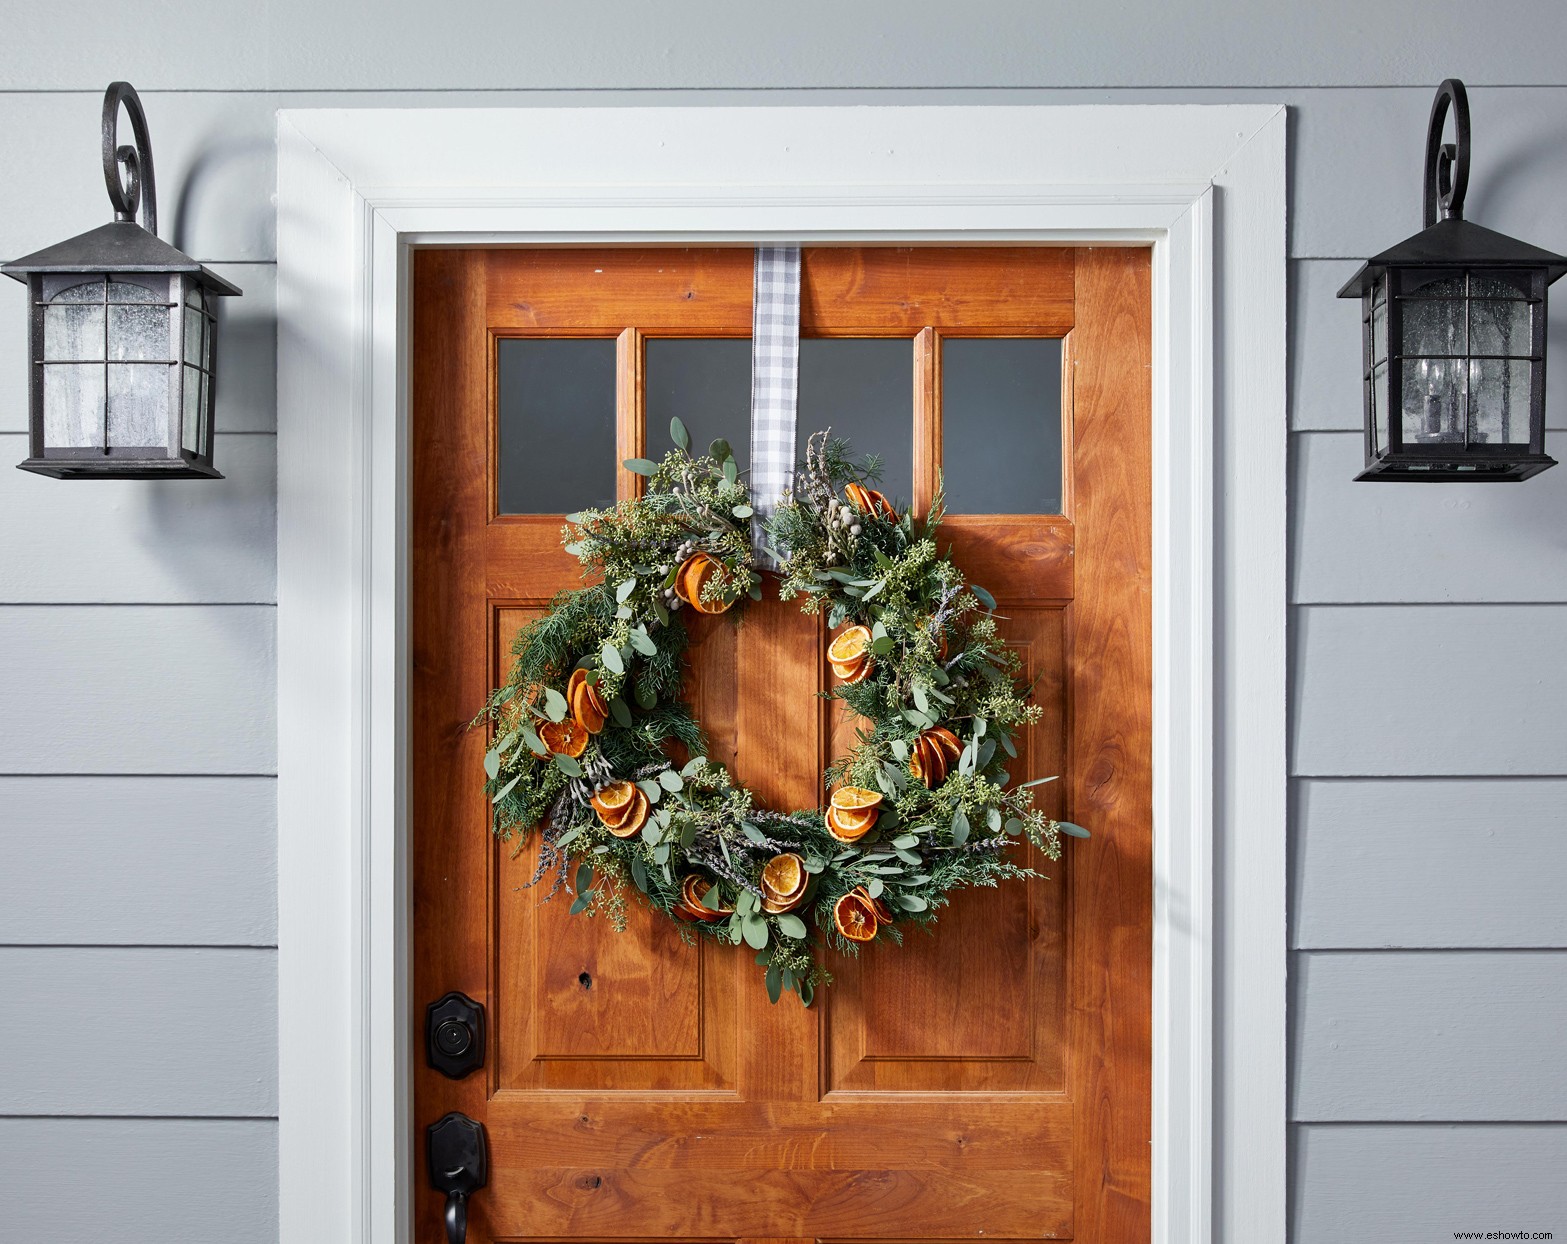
[454, 1035]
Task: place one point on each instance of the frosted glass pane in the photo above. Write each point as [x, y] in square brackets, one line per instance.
[1499, 327]
[1434, 326]
[1379, 333]
[1379, 405]
[190, 430]
[556, 413]
[73, 406]
[1433, 401]
[863, 388]
[194, 322]
[1001, 425]
[138, 405]
[139, 333]
[74, 330]
[1499, 391]
[706, 381]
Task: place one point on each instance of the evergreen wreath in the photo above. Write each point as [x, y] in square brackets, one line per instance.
[594, 748]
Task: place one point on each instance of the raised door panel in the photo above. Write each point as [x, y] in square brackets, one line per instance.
[979, 1006]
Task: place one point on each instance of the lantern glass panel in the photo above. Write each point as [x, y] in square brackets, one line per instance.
[73, 374]
[1433, 401]
[196, 373]
[1499, 401]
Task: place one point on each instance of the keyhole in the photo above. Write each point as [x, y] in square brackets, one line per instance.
[585, 981]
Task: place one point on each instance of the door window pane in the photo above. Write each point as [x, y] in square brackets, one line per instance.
[706, 381]
[556, 414]
[863, 388]
[1001, 425]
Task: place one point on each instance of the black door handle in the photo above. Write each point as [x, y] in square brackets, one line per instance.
[459, 1162]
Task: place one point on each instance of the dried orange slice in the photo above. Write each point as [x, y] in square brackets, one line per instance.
[946, 740]
[854, 917]
[855, 798]
[587, 705]
[883, 912]
[614, 802]
[692, 888]
[849, 645]
[784, 882]
[566, 737]
[847, 832]
[855, 821]
[869, 501]
[632, 820]
[693, 575]
[928, 762]
[854, 671]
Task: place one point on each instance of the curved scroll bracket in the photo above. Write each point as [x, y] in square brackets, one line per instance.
[127, 171]
[1447, 164]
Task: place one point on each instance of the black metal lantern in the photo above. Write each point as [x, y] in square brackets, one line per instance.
[1453, 324]
[121, 335]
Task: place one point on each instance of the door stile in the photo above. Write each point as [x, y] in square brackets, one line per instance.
[630, 401]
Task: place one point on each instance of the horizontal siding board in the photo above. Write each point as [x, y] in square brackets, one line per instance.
[138, 1031]
[1356, 542]
[292, 44]
[216, 165]
[245, 393]
[1452, 862]
[1324, 347]
[138, 689]
[139, 1181]
[143, 541]
[134, 861]
[1417, 1185]
[1387, 690]
[1441, 1035]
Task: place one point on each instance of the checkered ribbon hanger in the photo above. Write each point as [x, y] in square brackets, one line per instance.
[775, 384]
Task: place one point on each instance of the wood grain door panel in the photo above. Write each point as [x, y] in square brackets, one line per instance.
[988, 1081]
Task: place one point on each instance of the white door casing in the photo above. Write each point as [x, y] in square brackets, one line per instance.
[1204, 184]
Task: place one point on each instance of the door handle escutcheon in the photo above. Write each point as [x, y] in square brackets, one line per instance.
[458, 1157]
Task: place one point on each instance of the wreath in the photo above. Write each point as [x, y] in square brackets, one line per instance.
[595, 750]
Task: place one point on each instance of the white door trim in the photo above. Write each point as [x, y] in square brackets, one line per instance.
[1204, 184]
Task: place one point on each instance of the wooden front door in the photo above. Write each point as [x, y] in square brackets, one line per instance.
[990, 1081]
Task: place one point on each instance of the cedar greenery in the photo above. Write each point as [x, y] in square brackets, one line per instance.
[936, 661]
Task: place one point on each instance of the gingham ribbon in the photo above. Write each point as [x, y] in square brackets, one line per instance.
[775, 382]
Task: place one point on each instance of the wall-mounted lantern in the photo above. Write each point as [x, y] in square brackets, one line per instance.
[120, 335]
[1453, 325]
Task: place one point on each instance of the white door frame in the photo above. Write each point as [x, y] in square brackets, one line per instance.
[1205, 185]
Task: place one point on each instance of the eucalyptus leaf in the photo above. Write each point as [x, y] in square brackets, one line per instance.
[555, 706]
[642, 642]
[753, 833]
[623, 592]
[670, 780]
[921, 700]
[745, 904]
[661, 853]
[873, 887]
[619, 711]
[567, 765]
[960, 828]
[506, 790]
[652, 790]
[639, 873]
[1036, 782]
[623, 613]
[678, 433]
[584, 877]
[641, 466]
[1073, 831]
[580, 903]
[905, 841]
[687, 835]
[791, 926]
[693, 766]
[881, 647]
[774, 983]
[492, 763]
[731, 471]
[742, 511]
[984, 597]
[909, 902]
[610, 656]
[646, 696]
[755, 932]
[534, 743]
[719, 450]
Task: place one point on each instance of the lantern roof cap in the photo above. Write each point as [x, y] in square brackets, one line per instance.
[119, 246]
[1456, 243]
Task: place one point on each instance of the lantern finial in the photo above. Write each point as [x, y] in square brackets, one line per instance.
[1447, 164]
[137, 184]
